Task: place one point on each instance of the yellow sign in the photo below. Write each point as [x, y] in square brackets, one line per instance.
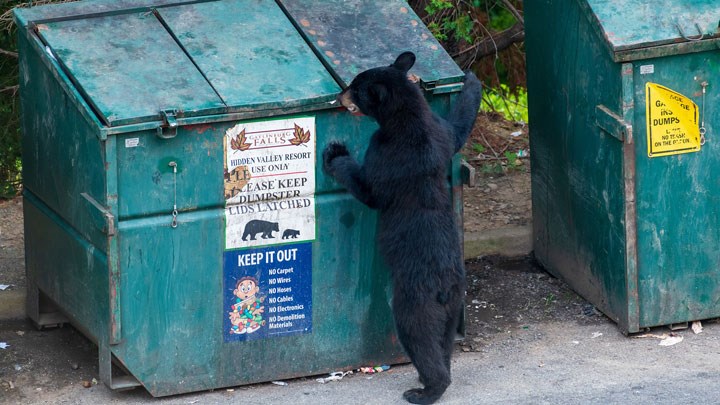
[672, 122]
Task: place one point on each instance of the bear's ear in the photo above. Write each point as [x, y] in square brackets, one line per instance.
[404, 62]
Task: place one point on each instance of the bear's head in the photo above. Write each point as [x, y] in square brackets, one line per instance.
[380, 91]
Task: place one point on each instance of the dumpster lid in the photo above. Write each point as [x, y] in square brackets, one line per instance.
[355, 35]
[199, 59]
[636, 24]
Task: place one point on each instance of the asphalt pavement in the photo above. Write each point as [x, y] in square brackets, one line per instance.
[543, 362]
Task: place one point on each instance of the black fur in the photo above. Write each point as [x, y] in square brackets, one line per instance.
[404, 176]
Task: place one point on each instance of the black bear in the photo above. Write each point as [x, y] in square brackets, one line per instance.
[257, 226]
[290, 233]
[404, 176]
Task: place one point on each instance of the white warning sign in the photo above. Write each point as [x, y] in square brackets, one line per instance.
[270, 182]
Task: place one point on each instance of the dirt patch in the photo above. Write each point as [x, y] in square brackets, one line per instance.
[499, 151]
[12, 248]
[505, 295]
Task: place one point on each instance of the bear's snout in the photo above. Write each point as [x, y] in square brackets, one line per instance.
[346, 101]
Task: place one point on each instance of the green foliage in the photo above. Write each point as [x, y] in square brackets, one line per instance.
[468, 30]
[438, 5]
[478, 148]
[512, 105]
[10, 163]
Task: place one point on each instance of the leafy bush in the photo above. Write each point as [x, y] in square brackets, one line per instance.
[512, 106]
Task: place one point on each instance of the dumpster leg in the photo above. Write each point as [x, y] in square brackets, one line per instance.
[41, 310]
[119, 382]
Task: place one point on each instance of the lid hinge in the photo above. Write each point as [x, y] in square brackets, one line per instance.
[436, 88]
[168, 129]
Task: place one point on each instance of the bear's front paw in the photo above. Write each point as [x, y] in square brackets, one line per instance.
[332, 151]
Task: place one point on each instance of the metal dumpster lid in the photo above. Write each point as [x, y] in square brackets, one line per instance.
[203, 58]
[354, 35]
[637, 24]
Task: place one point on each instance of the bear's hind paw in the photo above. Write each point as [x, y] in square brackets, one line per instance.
[421, 396]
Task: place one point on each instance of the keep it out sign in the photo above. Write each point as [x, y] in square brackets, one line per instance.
[672, 122]
[269, 177]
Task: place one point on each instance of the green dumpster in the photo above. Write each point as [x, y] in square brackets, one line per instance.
[175, 209]
[624, 100]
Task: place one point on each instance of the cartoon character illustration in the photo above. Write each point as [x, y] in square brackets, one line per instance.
[290, 233]
[246, 315]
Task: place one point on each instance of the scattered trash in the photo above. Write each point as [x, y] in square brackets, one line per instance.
[697, 327]
[522, 153]
[596, 335]
[575, 342]
[86, 384]
[4, 345]
[20, 333]
[373, 370]
[283, 383]
[230, 390]
[5, 286]
[94, 381]
[17, 367]
[589, 310]
[665, 339]
[516, 133]
[335, 376]
[671, 340]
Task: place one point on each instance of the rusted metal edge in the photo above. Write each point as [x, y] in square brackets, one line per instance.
[74, 11]
[631, 247]
[679, 48]
[215, 118]
[113, 250]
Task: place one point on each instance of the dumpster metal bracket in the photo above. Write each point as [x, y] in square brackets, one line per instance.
[467, 173]
[119, 382]
[104, 219]
[168, 129]
[613, 124]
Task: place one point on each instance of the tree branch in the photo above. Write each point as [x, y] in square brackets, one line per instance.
[8, 53]
[492, 44]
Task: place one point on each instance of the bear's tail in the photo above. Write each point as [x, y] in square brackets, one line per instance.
[465, 109]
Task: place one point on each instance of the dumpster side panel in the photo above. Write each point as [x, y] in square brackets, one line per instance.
[69, 270]
[64, 178]
[577, 167]
[678, 219]
[62, 155]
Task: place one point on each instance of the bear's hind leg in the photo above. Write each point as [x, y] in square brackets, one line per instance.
[424, 343]
[454, 316]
